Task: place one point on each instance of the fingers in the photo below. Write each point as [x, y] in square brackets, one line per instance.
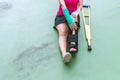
[73, 30]
[73, 27]
[74, 17]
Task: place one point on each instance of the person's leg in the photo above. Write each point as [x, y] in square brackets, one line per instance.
[63, 32]
[73, 38]
[73, 41]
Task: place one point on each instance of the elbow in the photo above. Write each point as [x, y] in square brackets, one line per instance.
[62, 5]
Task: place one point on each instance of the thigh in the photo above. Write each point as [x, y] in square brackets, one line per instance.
[62, 28]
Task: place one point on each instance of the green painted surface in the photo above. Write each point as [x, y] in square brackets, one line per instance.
[29, 48]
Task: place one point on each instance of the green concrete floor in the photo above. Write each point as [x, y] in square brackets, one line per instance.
[29, 45]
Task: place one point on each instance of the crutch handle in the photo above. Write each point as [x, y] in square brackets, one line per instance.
[86, 5]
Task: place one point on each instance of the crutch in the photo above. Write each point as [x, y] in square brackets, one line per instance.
[86, 17]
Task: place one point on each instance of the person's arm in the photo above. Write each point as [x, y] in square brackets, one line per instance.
[79, 8]
[80, 4]
[66, 13]
[62, 4]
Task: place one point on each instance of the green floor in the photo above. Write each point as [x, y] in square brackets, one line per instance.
[29, 45]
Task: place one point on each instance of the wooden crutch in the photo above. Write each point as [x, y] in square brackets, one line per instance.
[86, 17]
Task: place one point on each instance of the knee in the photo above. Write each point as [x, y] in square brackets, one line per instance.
[63, 33]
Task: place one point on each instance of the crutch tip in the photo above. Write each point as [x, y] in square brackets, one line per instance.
[89, 48]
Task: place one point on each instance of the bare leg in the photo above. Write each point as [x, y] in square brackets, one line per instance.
[63, 32]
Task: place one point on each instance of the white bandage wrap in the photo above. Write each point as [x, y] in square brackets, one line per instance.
[76, 12]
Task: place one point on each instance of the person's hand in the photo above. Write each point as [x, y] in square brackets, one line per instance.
[73, 27]
[76, 13]
[73, 15]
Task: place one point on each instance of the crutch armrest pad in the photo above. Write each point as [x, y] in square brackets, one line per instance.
[86, 5]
